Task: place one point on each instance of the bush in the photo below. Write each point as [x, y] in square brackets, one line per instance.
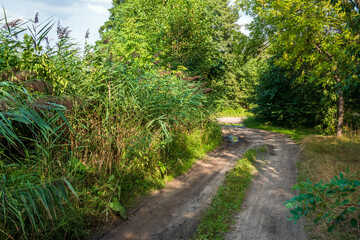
[108, 127]
[336, 202]
[281, 99]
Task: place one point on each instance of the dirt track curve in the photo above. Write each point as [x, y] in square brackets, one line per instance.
[173, 213]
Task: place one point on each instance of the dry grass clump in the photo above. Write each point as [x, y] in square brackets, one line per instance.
[324, 158]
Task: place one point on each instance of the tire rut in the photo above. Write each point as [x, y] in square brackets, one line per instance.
[263, 215]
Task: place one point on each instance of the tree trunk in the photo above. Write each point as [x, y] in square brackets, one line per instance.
[340, 123]
[341, 101]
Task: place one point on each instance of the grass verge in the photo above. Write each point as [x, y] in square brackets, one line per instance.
[218, 218]
[186, 148]
[296, 134]
[324, 158]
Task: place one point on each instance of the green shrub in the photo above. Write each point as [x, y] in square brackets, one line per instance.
[336, 202]
[108, 127]
[281, 99]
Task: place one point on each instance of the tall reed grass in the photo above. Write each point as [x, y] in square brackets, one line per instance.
[83, 136]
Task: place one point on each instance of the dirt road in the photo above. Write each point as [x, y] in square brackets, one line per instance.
[174, 212]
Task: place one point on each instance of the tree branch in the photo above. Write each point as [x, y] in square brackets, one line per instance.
[327, 54]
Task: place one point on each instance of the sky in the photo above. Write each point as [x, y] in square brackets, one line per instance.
[78, 15]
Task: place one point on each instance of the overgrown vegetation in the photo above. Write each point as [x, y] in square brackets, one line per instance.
[312, 73]
[336, 198]
[334, 202]
[233, 112]
[283, 100]
[218, 218]
[84, 135]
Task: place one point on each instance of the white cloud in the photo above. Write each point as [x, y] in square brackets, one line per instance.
[12, 15]
[78, 15]
[104, 2]
[98, 9]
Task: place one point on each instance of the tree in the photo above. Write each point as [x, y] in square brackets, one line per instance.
[311, 33]
[352, 10]
[174, 34]
[283, 100]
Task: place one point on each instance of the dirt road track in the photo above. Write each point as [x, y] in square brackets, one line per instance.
[174, 212]
[263, 216]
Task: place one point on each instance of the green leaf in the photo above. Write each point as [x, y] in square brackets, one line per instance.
[111, 178]
[331, 228]
[316, 220]
[354, 222]
[117, 207]
[351, 209]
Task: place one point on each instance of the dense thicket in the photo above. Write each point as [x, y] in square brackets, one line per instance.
[280, 98]
[83, 134]
[200, 37]
[318, 41]
[191, 34]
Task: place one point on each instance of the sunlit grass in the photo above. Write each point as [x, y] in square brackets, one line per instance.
[297, 134]
[219, 216]
[183, 152]
[324, 158]
[230, 112]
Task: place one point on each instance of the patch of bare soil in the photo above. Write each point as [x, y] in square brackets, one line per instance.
[174, 212]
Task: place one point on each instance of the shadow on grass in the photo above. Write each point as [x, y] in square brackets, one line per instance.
[297, 134]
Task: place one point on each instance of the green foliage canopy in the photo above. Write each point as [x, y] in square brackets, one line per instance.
[313, 37]
[188, 33]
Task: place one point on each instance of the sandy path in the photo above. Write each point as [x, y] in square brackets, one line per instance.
[263, 215]
[174, 212]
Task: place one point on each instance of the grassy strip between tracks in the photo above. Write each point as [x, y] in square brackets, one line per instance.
[219, 216]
